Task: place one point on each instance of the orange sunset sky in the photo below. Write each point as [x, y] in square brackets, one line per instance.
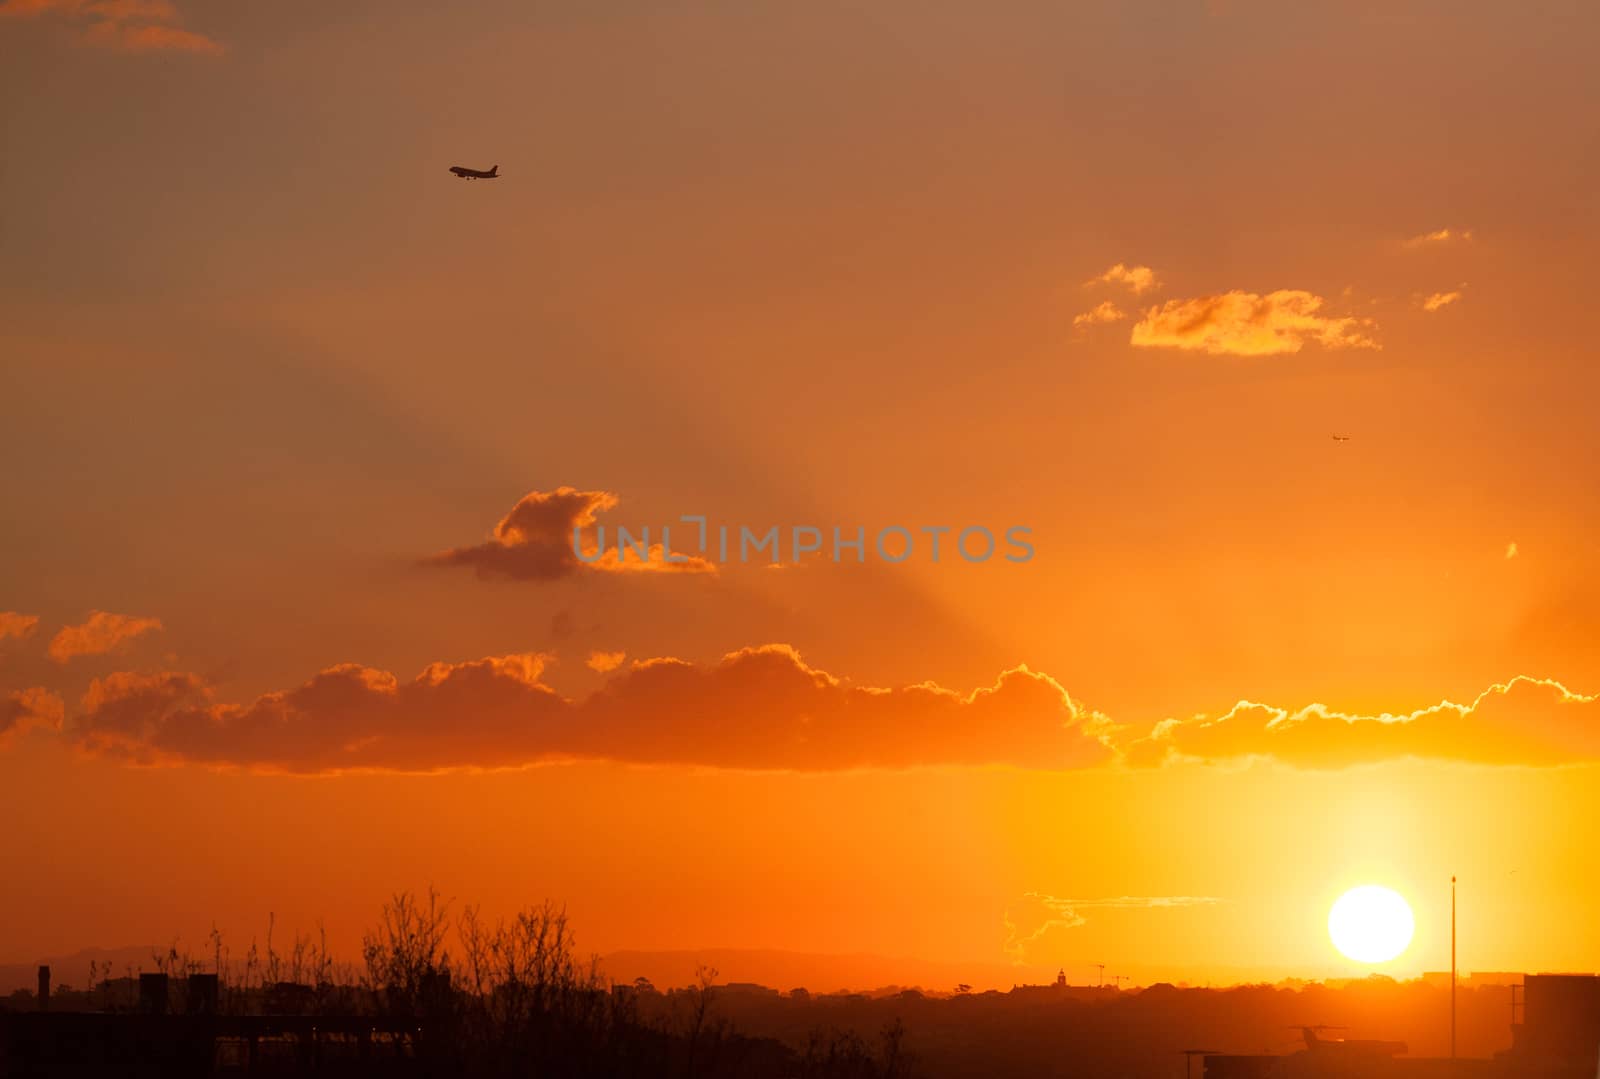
[297, 424]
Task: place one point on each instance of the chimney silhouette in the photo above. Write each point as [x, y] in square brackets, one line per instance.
[44, 987]
[153, 994]
[201, 994]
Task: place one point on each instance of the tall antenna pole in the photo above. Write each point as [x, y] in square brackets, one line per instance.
[1452, 967]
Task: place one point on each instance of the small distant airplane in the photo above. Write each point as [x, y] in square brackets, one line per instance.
[1341, 438]
[475, 174]
[1347, 1046]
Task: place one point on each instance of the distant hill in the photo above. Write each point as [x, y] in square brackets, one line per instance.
[819, 973]
[73, 969]
[778, 969]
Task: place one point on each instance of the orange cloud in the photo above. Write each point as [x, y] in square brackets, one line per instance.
[1245, 324]
[21, 709]
[1526, 721]
[1440, 236]
[131, 25]
[20, 626]
[765, 708]
[1140, 279]
[100, 634]
[758, 708]
[1104, 312]
[605, 661]
[1439, 300]
[130, 10]
[152, 38]
[534, 542]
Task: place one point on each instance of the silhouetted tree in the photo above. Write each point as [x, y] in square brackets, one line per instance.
[407, 962]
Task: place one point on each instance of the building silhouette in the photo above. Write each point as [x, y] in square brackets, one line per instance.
[1555, 1034]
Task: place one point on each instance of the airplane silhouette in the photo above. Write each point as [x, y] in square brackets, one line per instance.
[1365, 1048]
[475, 174]
[1341, 438]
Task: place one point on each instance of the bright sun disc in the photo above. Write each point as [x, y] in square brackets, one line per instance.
[1370, 924]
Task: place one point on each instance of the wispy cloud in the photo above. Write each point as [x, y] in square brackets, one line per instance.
[1511, 550]
[1439, 236]
[1042, 914]
[21, 709]
[101, 633]
[1526, 721]
[1138, 279]
[1246, 324]
[1104, 312]
[605, 661]
[129, 25]
[14, 624]
[1439, 300]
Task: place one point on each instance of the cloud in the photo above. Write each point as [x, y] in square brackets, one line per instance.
[765, 708]
[24, 708]
[1042, 914]
[153, 38]
[1526, 721]
[1440, 236]
[1246, 324]
[1511, 550]
[20, 626]
[100, 634]
[150, 10]
[1104, 312]
[534, 542]
[1140, 279]
[129, 25]
[1438, 300]
[757, 708]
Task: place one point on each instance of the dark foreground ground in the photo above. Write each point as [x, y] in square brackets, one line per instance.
[738, 1031]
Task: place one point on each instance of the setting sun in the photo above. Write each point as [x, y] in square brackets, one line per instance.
[1370, 924]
